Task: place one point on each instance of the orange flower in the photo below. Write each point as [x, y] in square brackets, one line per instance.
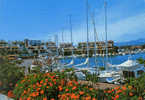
[60, 88]
[38, 89]
[25, 91]
[117, 96]
[42, 91]
[10, 94]
[105, 91]
[20, 98]
[41, 81]
[124, 88]
[130, 94]
[47, 87]
[52, 99]
[109, 91]
[73, 96]
[68, 94]
[66, 90]
[46, 80]
[74, 88]
[94, 99]
[28, 98]
[88, 98]
[112, 90]
[40, 85]
[37, 93]
[59, 96]
[37, 84]
[91, 89]
[16, 85]
[50, 84]
[81, 92]
[45, 98]
[45, 84]
[117, 88]
[119, 91]
[33, 94]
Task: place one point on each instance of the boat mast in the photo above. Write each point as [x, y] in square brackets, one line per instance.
[70, 22]
[95, 40]
[87, 17]
[63, 45]
[56, 41]
[106, 29]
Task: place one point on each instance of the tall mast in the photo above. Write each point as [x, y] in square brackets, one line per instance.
[70, 22]
[56, 41]
[63, 45]
[106, 28]
[95, 40]
[87, 17]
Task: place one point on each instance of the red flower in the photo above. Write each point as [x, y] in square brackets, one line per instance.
[117, 96]
[74, 88]
[41, 81]
[42, 91]
[60, 88]
[130, 94]
[28, 98]
[124, 88]
[109, 91]
[66, 90]
[45, 98]
[94, 99]
[10, 94]
[81, 92]
[50, 84]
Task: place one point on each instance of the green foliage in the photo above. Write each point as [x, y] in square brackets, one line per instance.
[138, 84]
[141, 61]
[101, 68]
[10, 73]
[90, 77]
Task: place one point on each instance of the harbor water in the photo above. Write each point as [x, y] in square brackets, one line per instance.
[101, 60]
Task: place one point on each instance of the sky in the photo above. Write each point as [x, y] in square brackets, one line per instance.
[43, 19]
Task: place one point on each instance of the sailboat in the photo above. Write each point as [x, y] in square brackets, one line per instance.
[72, 61]
[86, 62]
[109, 76]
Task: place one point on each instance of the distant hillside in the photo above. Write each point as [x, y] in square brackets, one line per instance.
[132, 42]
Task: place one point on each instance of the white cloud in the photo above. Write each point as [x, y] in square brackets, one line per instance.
[130, 25]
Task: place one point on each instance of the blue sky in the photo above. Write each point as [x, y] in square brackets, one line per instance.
[42, 19]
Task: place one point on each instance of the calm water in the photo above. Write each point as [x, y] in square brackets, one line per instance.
[100, 60]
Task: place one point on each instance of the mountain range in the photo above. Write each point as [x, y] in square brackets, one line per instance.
[131, 43]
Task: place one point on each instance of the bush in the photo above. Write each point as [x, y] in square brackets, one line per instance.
[9, 75]
[56, 86]
[51, 86]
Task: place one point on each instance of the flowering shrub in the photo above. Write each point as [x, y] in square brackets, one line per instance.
[56, 86]
[38, 86]
[122, 93]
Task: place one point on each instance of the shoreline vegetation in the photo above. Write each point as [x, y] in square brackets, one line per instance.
[64, 85]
